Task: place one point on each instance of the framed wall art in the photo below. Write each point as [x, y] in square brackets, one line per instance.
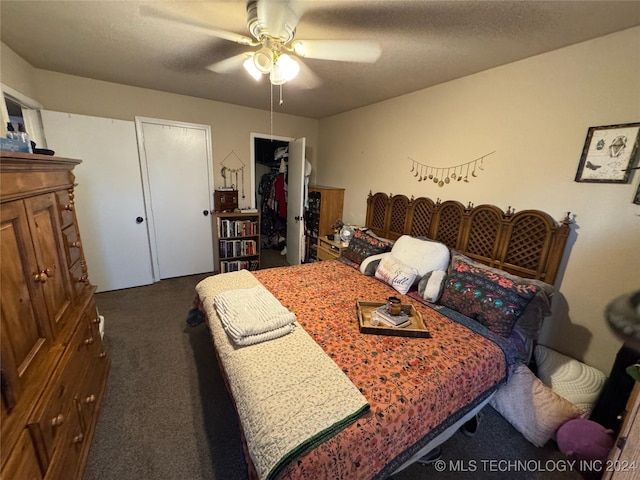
[609, 153]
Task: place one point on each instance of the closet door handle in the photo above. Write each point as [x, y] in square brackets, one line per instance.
[139, 219]
[205, 213]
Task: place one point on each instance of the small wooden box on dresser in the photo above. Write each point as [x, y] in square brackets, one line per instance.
[54, 367]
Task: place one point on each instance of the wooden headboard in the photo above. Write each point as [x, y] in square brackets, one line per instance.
[529, 243]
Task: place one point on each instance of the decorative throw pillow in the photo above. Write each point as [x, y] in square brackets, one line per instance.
[493, 299]
[363, 245]
[396, 274]
[422, 254]
[528, 324]
[582, 439]
[370, 264]
[532, 407]
[577, 382]
[431, 285]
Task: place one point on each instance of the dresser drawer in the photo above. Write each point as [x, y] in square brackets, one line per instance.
[48, 423]
[23, 461]
[96, 372]
[68, 458]
[65, 204]
[79, 279]
[328, 249]
[72, 244]
[93, 385]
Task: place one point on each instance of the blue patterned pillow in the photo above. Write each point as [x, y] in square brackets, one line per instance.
[494, 300]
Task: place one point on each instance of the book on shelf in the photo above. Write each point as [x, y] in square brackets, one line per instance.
[235, 265]
[237, 228]
[237, 248]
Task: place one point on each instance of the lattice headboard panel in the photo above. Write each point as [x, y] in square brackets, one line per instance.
[529, 243]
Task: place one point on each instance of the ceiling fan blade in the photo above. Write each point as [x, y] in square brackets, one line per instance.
[229, 64]
[154, 11]
[306, 79]
[362, 51]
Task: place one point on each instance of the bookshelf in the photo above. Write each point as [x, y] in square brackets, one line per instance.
[236, 241]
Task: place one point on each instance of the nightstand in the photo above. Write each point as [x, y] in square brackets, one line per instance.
[328, 249]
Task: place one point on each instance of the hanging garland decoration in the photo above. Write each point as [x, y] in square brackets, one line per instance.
[445, 175]
[226, 169]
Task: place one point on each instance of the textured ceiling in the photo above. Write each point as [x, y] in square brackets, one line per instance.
[424, 43]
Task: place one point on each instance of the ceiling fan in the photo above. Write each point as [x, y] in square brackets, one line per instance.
[273, 49]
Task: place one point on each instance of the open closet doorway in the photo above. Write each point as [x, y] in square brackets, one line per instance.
[277, 184]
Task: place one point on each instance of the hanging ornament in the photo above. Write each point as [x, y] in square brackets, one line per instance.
[442, 176]
[227, 168]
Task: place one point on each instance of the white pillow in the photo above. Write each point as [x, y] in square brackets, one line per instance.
[431, 285]
[532, 407]
[396, 274]
[369, 265]
[423, 255]
[577, 382]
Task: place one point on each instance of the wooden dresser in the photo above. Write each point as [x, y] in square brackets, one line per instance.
[54, 366]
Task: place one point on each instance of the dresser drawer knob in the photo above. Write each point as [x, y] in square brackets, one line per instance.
[84, 278]
[40, 277]
[69, 207]
[96, 320]
[102, 355]
[88, 341]
[76, 244]
[90, 399]
[78, 438]
[57, 420]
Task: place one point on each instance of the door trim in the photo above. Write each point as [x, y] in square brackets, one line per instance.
[144, 173]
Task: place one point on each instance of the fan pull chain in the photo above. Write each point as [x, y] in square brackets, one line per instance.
[281, 100]
[271, 111]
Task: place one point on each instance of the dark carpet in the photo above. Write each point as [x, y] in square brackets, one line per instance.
[166, 414]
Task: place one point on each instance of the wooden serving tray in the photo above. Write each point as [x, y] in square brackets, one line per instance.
[416, 329]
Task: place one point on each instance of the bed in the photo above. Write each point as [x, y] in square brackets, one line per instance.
[418, 391]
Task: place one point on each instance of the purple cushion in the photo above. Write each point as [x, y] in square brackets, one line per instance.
[583, 439]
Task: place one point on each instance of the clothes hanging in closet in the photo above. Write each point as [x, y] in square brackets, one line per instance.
[273, 189]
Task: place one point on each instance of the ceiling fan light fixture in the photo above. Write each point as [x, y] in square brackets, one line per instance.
[289, 68]
[276, 76]
[299, 49]
[250, 67]
[263, 60]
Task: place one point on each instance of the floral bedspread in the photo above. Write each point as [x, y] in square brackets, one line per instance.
[416, 386]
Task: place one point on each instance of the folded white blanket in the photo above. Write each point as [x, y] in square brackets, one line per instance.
[253, 315]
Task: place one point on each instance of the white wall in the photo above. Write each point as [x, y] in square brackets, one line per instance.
[535, 114]
[231, 125]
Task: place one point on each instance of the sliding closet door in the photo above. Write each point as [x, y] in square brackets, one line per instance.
[109, 199]
[177, 174]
